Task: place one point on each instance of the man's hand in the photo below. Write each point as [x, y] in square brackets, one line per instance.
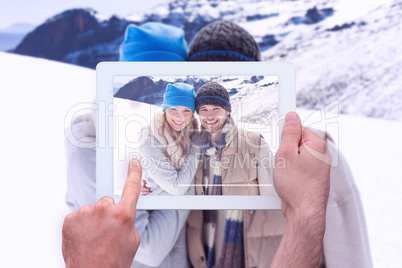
[104, 235]
[302, 184]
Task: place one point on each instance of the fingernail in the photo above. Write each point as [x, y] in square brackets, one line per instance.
[291, 118]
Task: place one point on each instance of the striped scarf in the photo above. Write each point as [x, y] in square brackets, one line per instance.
[232, 250]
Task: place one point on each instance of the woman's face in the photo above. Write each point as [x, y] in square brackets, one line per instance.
[178, 117]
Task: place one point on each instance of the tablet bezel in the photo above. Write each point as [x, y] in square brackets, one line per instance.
[105, 73]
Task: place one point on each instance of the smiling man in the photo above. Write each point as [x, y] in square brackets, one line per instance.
[233, 161]
[228, 150]
[213, 118]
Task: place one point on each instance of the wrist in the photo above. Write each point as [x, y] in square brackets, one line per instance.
[309, 223]
[303, 213]
[301, 244]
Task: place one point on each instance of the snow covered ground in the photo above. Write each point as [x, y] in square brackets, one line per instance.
[36, 96]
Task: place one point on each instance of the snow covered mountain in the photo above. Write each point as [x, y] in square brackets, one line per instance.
[343, 51]
[77, 36]
[353, 56]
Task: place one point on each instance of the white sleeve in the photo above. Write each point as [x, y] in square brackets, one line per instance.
[159, 230]
[81, 181]
[162, 172]
[346, 241]
[265, 169]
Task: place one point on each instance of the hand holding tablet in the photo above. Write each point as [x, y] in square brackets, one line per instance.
[303, 186]
[253, 86]
[303, 182]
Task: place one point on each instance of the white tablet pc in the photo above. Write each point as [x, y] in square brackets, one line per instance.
[129, 116]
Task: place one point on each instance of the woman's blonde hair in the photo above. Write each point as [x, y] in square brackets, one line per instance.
[181, 138]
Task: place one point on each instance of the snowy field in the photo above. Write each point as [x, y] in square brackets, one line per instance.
[38, 94]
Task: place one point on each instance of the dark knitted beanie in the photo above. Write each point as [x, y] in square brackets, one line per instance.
[212, 93]
[223, 41]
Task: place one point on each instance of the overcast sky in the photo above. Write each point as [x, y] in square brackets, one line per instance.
[38, 11]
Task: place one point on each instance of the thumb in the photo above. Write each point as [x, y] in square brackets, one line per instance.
[291, 135]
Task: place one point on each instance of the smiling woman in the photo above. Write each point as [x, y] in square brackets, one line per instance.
[178, 117]
[169, 158]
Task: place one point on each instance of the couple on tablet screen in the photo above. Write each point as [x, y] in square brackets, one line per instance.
[229, 156]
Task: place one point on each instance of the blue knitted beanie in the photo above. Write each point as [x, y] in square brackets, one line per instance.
[153, 41]
[179, 94]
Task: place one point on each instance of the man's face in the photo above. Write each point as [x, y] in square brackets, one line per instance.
[212, 117]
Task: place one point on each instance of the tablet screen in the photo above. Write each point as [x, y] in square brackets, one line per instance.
[242, 165]
[205, 172]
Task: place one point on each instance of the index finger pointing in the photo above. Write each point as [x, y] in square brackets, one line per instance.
[132, 187]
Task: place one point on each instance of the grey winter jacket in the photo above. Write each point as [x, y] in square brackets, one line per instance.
[163, 177]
